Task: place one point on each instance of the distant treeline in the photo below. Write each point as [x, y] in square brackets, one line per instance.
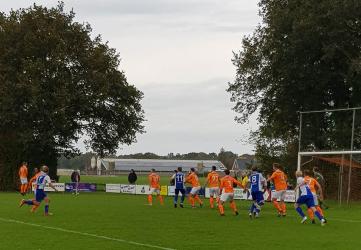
[82, 161]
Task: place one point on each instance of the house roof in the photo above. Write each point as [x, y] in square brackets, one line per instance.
[242, 163]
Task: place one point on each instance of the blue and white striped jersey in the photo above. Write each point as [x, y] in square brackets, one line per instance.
[257, 182]
[304, 188]
[42, 180]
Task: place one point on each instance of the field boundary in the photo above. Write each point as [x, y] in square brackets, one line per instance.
[85, 234]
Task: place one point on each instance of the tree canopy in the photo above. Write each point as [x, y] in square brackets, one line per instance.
[305, 55]
[57, 84]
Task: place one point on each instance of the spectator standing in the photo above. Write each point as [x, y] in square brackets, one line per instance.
[132, 177]
[75, 178]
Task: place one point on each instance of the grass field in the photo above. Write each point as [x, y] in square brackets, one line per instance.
[122, 179]
[116, 221]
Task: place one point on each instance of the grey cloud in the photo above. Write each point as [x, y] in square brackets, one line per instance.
[169, 49]
[185, 15]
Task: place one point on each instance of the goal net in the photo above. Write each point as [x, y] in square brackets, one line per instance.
[339, 173]
[330, 142]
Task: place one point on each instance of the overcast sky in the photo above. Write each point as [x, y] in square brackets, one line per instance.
[178, 52]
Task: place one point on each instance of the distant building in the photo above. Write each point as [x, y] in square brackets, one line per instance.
[140, 165]
[243, 162]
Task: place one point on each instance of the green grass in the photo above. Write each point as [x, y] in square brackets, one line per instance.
[120, 179]
[127, 217]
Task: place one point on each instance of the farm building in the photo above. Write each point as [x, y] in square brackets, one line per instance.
[145, 165]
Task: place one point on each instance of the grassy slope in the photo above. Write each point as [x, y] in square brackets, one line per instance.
[126, 217]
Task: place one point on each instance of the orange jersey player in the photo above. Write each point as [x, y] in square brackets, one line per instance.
[213, 184]
[279, 180]
[306, 198]
[154, 184]
[41, 182]
[227, 192]
[192, 178]
[314, 186]
[23, 175]
[33, 179]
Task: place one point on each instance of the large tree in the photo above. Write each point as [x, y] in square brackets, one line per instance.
[305, 55]
[57, 84]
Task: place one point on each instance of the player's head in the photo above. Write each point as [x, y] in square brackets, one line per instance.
[276, 166]
[179, 169]
[299, 174]
[45, 169]
[307, 172]
[214, 168]
[193, 170]
[24, 163]
[36, 170]
[152, 170]
[226, 172]
[254, 169]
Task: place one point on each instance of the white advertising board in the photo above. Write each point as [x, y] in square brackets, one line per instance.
[59, 186]
[112, 188]
[289, 197]
[127, 189]
[171, 191]
[142, 189]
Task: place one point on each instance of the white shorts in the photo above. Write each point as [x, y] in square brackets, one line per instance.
[24, 181]
[214, 192]
[226, 197]
[195, 190]
[315, 199]
[281, 194]
[155, 191]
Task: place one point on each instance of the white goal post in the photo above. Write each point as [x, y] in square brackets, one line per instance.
[347, 154]
[309, 153]
[346, 161]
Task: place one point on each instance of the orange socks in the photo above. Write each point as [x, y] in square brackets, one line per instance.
[233, 206]
[198, 199]
[33, 208]
[160, 199]
[150, 199]
[319, 209]
[221, 209]
[191, 200]
[283, 207]
[310, 214]
[276, 205]
[211, 201]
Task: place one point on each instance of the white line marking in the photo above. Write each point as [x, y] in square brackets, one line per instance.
[85, 234]
[328, 219]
